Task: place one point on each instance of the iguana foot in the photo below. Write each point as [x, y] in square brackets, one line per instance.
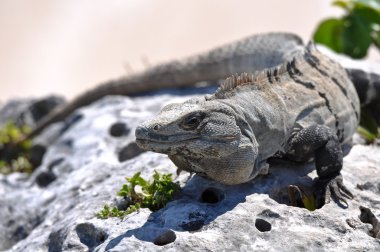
[324, 143]
[332, 187]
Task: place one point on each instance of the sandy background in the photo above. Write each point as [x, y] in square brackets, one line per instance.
[66, 46]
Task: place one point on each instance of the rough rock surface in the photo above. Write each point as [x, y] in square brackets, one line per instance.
[28, 111]
[91, 153]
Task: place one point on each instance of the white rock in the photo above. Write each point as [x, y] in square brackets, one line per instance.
[250, 217]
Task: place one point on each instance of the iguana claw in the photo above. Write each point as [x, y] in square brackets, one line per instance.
[327, 188]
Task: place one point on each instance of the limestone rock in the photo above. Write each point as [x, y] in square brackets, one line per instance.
[84, 167]
[28, 111]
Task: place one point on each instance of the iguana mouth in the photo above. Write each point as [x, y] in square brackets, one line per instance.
[144, 135]
[165, 139]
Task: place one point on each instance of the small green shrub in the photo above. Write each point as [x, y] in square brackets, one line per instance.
[154, 194]
[353, 33]
[108, 212]
[368, 128]
[14, 157]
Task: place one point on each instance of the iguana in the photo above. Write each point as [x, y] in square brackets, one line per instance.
[302, 108]
[301, 104]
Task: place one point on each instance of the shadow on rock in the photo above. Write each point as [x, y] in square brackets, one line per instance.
[202, 201]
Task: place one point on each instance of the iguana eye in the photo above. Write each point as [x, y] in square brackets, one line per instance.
[192, 121]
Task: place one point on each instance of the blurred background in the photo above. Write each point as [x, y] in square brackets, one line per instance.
[67, 46]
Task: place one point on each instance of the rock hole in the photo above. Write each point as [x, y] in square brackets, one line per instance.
[192, 225]
[269, 213]
[119, 129]
[67, 143]
[37, 153]
[211, 196]
[165, 238]
[90, 235]
[43, 107]
[45, 178]
[297, 196]
[54, 163]
[366, 216]
[20, 233]
[70, 121]
[263, 225]
[56, 240]
[129, 151]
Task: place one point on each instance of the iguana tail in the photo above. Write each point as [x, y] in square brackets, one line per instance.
[252, 53]
[367, 85]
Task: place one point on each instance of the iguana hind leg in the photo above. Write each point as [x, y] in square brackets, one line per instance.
[320, 141]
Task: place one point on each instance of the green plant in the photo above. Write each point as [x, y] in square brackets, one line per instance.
[368, 127]
[14, 156]
[306, 200]
[353, 33]
[108, 212]
[154, 194]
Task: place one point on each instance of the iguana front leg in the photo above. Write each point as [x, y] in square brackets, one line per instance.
[320, 141]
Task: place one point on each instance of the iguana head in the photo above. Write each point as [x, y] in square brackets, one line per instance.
[202, 136]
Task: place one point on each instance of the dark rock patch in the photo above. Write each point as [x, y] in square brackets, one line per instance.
[211, 195]
[129, 151]
[263, 225]
[90, 235]
[165, 238]
[37, 153]
[119, 129]
[366, 216]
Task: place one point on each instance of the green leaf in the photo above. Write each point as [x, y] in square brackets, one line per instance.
[355, 31]
[356, 36]
[370, 137]
[124, 191]
[372, 4]
[368, 127]
[309, 202]
[343, 4]
[369, 15]
[350, 35]
[368, 122]
[330, 33]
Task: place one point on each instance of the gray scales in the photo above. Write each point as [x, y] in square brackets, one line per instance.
[298, 104]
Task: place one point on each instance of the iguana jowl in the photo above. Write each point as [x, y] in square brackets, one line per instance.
[303, 108]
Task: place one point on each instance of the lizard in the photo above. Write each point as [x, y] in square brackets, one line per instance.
[300, 109]
[255, 52]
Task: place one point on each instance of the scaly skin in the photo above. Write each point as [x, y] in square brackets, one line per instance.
[303, 108]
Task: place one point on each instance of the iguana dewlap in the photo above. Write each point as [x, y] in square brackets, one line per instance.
[304, 108]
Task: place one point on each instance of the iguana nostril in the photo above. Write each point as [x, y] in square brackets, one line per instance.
[141, 132]
[156, 127]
